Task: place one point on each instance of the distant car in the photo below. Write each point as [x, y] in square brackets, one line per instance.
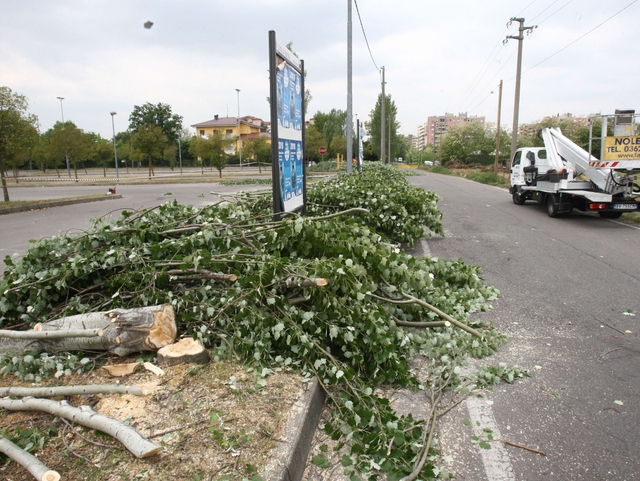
[399, 159]
[428, 163]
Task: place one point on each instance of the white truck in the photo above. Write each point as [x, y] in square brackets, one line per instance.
[562, 176]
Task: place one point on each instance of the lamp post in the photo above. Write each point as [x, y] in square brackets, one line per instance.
[115, 151]
[66, 149]
[239, 142]
[180, 154]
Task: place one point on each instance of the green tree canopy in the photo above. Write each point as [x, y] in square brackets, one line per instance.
[470, 143]
[67, 139]
[148, 143]
[158, 115]
[331, 125]
[313, 141]
[18, 130]
[374, 125]
[212, 148]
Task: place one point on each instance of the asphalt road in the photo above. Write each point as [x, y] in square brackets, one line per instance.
[17, 229]
[565, 287]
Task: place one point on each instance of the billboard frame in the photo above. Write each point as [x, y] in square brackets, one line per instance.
[281, 61]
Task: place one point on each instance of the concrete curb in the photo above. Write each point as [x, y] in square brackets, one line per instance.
[289, 459]
[56, 203]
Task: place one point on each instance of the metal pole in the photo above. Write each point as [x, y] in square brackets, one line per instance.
[382, 118]
[239, 143]
[349, 92]
[495, 166]
[389, 157]
[115, 151]
[516, 106]
[66, 149]
[180, 154]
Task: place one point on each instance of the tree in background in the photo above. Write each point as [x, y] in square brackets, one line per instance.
[391, 127]
[102, 153]
[18, 130]
[331, 125]
[148, 142]
[313, 141]
[157, 115]
[213, 148]
[471, 143]
[258, 149]
[170, 155]
[67, 139]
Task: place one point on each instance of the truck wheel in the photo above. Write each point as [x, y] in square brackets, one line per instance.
[518, 197]
[552, 208]
[610, 215]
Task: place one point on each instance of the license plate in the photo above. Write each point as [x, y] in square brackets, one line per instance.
[625, 206]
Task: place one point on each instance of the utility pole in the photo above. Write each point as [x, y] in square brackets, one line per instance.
[495, 166]
[516, 106]
[66, 148]
[382, 119]
[349, 92]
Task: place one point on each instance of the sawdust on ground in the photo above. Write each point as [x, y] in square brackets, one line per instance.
[213, 422]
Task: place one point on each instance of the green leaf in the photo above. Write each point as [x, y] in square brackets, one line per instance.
[321, 461]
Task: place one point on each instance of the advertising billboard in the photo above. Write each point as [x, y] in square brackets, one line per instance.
[287, 129]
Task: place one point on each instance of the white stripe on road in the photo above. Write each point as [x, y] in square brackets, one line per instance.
[497, 464]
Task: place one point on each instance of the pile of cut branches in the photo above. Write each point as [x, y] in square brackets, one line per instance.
[327, 294]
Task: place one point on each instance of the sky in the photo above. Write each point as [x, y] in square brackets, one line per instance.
[582, 58]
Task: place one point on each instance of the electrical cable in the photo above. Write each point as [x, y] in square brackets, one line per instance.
[582, 36]
[545, 9]
[365, 36]
[547, 18]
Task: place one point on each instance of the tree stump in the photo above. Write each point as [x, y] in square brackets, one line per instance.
[186, 351]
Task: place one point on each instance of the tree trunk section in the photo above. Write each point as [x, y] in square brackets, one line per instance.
[139, 446]
[75, 390]
[186, 351]
[28, 461]
[125, 331]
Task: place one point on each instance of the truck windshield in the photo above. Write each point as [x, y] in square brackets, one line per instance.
[542, 154]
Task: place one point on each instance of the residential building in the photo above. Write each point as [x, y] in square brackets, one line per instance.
[432, 131]
[249, 127]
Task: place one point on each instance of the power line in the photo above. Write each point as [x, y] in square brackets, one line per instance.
[478, 76]
[521, 11]
[582, 36]
[365, 36]
[547, 18]
[545, 9]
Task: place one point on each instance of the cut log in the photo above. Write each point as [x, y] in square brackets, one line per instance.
[186, 351]
[40, 334]
[137, 445]
[28, 461]
[121, 370]
[125, 331]
[75, 390]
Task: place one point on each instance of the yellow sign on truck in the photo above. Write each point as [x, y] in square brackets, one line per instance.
[622, 148]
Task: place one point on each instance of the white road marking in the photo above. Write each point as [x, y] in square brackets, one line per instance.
[425, 247]
[497, 464]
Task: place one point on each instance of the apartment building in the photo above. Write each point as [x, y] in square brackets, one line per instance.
[431, 132]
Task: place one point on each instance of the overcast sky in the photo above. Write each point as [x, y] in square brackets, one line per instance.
[440, 56]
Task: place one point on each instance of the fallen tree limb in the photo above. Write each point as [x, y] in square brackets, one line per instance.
[28, 461]
[85, 416]
[202, 274]
[38, 334]
[516, 445]
[74, 390]
[414, 300]
[125, 331]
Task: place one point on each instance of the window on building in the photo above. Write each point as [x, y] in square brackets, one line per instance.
[202, 133]
[229, 132]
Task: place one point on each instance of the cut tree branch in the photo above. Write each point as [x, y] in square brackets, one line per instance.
[38, 334]
[85, 416]
[74, 390]
[28, 461]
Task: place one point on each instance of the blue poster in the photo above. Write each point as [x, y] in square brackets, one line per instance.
[289, 107]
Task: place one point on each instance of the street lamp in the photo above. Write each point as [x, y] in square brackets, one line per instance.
[239, 142]
[115, 151]
[66, 149]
